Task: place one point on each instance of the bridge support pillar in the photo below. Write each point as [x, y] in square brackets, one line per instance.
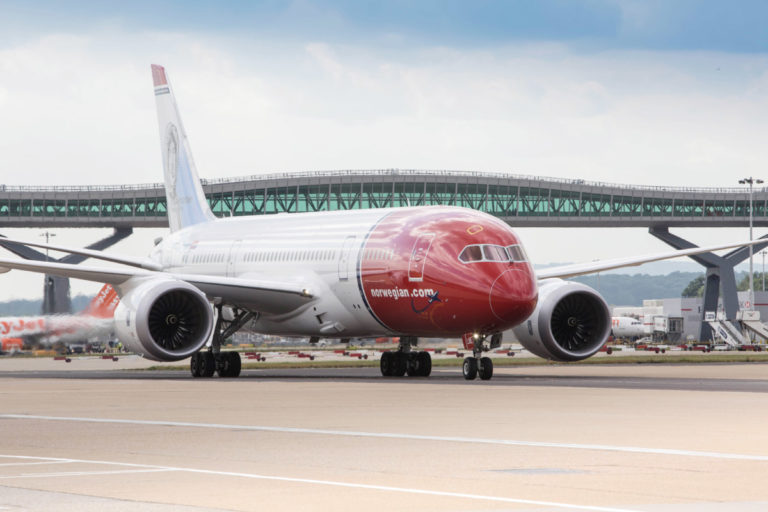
[56, 294]
[720, 275]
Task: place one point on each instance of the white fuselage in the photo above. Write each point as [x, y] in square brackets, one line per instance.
[319, 249]
[628, 327]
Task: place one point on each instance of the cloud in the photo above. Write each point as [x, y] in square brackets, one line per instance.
[542, 109]
[78, 109]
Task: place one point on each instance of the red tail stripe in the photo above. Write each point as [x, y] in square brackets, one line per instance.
[158, 75]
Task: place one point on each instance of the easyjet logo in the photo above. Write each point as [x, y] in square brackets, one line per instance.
[21, 325]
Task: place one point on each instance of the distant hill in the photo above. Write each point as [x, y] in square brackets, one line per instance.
[631, 290]
[23, 307]
[664, 267]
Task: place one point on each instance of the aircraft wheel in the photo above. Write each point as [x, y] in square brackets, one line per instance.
[486, 368]
[425, 364]
[413, 364]
[235, 364]
[469, 368]
[223, 364]
[194, 365]
[228, 364]
[207, 364]
[387, 363]
[400, 364]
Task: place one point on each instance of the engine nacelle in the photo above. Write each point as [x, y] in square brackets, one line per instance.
[571, 322]
[163, 319]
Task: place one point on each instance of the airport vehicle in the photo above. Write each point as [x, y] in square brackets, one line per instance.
[95, 318]
[11, 345]
[419, 272]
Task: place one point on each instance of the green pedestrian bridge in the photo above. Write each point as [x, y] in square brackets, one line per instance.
[519, 200]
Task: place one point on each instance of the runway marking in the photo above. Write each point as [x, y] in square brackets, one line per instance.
[6, 464]
[416, 437]
[84, 473]
[373, 487]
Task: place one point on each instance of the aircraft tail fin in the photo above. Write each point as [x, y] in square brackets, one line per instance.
[187, 205]
[103, 304]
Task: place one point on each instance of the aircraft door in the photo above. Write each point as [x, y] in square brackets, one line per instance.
[235, 256]
[344, 257]
[419, 257]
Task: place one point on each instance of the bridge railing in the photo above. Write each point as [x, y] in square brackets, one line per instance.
[383, 173]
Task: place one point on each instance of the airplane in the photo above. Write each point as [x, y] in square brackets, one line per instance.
[628, 327]
[95, 318]
[411, 273]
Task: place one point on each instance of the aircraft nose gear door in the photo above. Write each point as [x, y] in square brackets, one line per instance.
[419, 257]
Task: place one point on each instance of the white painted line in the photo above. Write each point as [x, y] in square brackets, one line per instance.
[85, 473]
[148, 467]
[24, 457]
[6, 464]
[417, 437]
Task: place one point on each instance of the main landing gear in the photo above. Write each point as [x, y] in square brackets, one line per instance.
[227, 364]
[479, 365]
[405, 361]
[205, 364]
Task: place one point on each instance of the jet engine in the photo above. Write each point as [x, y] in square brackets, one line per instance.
[163, 319]
[571, 322]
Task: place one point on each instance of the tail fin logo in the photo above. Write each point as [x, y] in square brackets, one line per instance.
[172, 162]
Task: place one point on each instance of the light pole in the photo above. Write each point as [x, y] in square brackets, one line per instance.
[751, 182]
[763, 253]
[48, 235]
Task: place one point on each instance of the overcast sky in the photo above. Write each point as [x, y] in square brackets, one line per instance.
[637, 92]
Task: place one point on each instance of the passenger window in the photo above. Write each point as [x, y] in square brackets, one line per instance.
[471, 253]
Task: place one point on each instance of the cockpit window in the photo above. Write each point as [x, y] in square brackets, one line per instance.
[495, 253]
[471, 253]
[516, 253]
[489, 252]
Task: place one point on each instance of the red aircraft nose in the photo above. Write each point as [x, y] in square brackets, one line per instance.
[513, 295]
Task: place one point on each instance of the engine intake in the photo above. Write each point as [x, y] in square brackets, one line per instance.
[571, 322]
[163, 319]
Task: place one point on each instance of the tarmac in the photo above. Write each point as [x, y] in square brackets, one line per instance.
[93, 436]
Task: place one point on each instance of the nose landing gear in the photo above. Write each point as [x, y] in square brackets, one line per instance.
[405, 361]
[478, 365]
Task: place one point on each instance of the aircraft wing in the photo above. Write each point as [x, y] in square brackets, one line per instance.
[111, 276]
[593, 267]
[125, 260]
[256, 291]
